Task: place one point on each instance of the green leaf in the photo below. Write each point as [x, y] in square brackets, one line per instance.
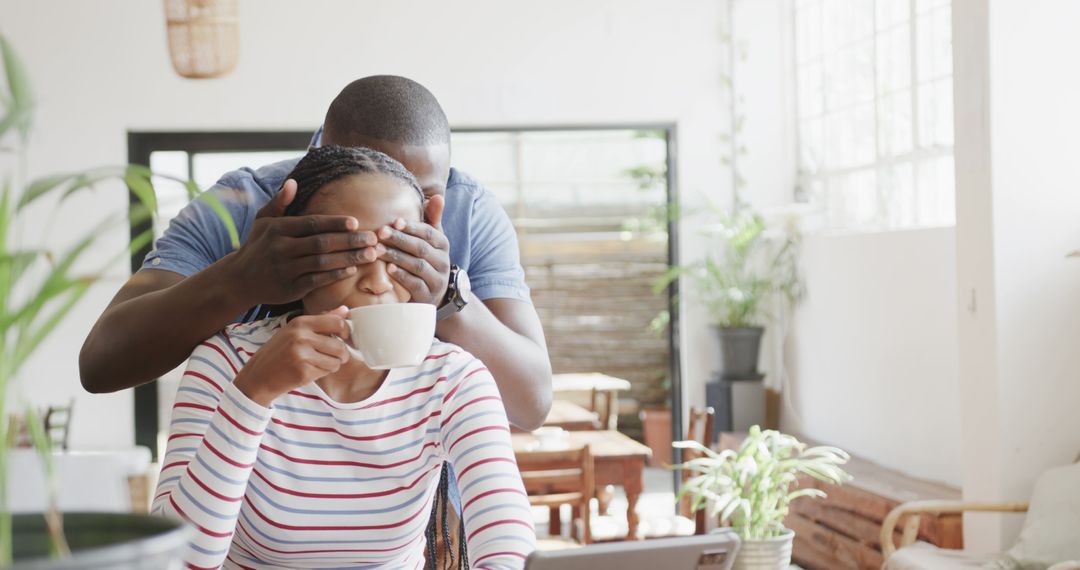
[74, 182]
[137, 179]
[20, 101]
[30, 340]
[55, 284]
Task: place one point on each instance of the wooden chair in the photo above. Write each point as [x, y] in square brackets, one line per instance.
[560, 477]
[609, 414]
[699, 428]
[58, 424]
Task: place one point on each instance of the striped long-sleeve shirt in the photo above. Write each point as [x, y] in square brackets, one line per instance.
[313, 483]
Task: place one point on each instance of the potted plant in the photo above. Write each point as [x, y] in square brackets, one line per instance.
[750, 489]
[748, 265]
[38, 289]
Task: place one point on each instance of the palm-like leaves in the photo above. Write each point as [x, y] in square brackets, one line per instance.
[750, 489]
[47, 282]
[743, 269]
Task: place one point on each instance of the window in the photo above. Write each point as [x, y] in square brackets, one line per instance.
[874, 108]
[588, 205]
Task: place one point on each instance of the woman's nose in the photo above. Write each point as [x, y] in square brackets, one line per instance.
[376, 280]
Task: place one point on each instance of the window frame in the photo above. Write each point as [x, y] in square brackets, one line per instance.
[916, 156]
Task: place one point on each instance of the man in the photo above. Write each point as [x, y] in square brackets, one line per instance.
[193, 284]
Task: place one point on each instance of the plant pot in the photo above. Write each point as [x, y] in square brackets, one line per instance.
[765, 553]
[656, 427]
[113, 541]
[739, 351]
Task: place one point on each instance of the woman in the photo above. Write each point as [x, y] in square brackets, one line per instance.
[286, 452]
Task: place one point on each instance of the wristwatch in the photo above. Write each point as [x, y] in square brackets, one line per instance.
[457, 293]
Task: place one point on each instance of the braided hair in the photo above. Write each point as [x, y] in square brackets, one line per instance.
[326, 164]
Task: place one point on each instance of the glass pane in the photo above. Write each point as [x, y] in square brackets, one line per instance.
[934, 44]
[849, 76]
[171, 195]
[896, 185]
[846, 21]
[811, 97]
[894, 124]
[894, 59]
[496, 156]
[892, 12]
[853, 201]
[935, 114]
[808, 32]
[849, 138]
[207, 167]
[811, 143]
[922, 6]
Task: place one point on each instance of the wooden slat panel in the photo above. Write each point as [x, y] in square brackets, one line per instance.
[595, 300]
[839, 551]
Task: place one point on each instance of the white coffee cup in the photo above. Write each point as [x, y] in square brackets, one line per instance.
[392, 335]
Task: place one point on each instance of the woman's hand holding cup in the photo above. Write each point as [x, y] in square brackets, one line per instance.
[307, 348]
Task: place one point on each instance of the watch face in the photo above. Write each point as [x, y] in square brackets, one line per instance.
[463, 286]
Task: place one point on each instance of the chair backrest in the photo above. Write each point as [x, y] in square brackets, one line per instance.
[559, 477]
[58, 424]
[699, 428]
[608, 414]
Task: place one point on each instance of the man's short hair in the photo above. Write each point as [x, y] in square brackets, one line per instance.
[389, 108]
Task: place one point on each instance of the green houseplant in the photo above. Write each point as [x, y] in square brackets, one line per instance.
[39, 286]
[750, 489]
[746, 267]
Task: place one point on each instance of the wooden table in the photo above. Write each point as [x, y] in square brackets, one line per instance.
[617, 460]
[600, 385]
[570, 417]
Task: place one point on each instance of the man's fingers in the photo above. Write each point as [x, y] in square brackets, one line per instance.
[338, 260]
[310, 281]
[417, 266]
[329, 243]
[276, 206]
[417, 239]
[418, 288]
[433, 211]
[300, 226]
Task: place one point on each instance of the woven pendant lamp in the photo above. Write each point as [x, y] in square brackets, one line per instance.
[204, 37]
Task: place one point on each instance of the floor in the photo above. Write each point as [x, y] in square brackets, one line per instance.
[656, 507]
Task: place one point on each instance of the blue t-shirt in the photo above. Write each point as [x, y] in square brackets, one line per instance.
[482, 238]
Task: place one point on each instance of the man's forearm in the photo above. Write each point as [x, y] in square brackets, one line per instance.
[138, 339]
[519, 364]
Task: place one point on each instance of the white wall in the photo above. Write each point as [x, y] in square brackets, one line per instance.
[873, 353]
[1029, 310]
[764, 89]
[100, 69]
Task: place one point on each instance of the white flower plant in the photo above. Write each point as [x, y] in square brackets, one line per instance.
[750, 489]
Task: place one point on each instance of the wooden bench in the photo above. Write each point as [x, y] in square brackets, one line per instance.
[844, 530]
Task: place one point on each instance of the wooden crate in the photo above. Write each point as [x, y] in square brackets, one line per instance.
[842, 531]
